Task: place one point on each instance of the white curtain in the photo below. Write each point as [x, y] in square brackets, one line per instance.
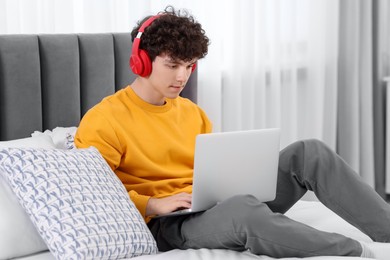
[355, 88]
[271, 63]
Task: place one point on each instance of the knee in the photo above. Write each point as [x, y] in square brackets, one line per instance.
[315, 144]
[306, 156]
[307, 145]
[318, 152]
[312, 149]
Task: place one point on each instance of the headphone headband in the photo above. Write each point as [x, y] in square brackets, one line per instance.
[148, 22]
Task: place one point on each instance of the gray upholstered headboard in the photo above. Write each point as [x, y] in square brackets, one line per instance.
[52, 80]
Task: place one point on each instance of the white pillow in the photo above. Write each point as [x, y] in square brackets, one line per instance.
[18, 236]
[63, 137]
[79, 206]
[39, 141]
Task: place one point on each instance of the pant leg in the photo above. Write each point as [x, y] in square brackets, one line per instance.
[311, 165]
[243, 223]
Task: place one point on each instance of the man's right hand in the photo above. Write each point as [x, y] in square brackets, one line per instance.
[168, 204]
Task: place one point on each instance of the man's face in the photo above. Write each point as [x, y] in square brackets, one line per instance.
[169, 76]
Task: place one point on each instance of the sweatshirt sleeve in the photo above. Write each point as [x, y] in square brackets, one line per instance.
[95, 130]
[140, 202]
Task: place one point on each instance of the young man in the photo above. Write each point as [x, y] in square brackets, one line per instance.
[146, 133]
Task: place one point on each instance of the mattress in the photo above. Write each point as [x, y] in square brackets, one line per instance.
[312, 213]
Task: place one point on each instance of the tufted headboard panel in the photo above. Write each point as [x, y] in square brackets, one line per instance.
[52, 80]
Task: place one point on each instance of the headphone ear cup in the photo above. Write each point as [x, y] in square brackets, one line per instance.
[136, 64]
[193, 67]
[146, 63]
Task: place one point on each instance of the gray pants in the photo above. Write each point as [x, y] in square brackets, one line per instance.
[243, 223]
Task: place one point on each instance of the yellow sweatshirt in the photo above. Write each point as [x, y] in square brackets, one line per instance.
[150, 148]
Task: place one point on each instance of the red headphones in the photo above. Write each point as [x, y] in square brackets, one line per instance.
[140, 62]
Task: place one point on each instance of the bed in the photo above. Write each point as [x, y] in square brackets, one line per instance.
[47, 83]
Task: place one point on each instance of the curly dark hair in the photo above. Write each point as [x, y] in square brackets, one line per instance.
[175, 33]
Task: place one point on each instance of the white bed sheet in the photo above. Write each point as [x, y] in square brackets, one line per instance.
[312, 213]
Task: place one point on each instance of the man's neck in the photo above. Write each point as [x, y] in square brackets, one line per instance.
[146, 93]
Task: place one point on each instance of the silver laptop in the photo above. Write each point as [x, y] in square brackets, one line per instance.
[233, 163]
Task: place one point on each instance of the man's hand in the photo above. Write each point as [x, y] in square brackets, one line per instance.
[168, 204]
